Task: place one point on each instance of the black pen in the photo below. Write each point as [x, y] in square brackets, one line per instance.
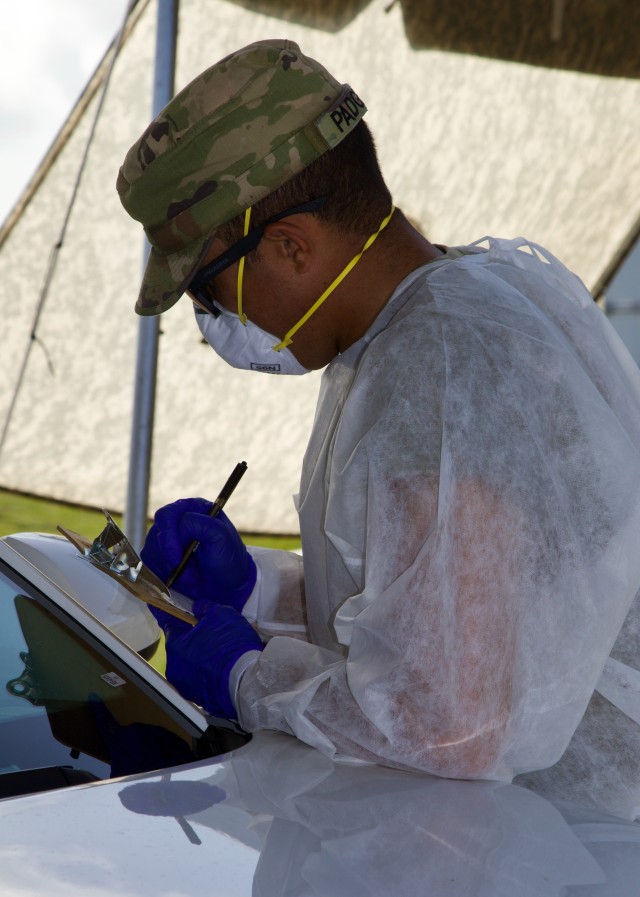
[218, 505]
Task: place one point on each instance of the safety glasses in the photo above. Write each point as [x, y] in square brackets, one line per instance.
[197, 288]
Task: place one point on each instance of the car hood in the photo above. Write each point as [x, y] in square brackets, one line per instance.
[277, 818]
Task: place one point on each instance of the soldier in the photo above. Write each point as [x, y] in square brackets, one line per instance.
[469, 497]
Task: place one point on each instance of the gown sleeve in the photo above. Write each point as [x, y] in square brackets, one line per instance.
[277, 603]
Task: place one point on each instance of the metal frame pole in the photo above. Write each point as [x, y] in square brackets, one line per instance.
[136, 511]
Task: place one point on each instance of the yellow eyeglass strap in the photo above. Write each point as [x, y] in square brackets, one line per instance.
[287, 339]
[241, 314]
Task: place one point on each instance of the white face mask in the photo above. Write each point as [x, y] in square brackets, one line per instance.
[246, 346]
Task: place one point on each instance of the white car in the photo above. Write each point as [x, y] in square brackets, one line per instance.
[115, 785]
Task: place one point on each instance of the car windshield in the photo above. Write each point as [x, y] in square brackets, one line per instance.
[70, 710]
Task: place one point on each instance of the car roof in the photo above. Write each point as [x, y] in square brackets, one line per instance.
[56, 562]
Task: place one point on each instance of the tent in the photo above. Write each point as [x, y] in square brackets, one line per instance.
[504, 120]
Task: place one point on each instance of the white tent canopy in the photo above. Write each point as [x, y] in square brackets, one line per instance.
[470, 145]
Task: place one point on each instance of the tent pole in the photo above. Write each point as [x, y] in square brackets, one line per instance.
[135, 522]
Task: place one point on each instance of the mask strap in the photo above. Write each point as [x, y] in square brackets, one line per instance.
[287, 340]
[241, 314]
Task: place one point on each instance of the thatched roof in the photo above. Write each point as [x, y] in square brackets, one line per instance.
[580, 35]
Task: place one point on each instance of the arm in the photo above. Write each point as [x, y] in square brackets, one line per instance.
[427, 678]
[277, 603]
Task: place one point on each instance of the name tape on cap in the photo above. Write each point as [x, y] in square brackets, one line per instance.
[342, 117]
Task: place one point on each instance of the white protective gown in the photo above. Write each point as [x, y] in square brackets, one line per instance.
[601, 766]
[470, 521]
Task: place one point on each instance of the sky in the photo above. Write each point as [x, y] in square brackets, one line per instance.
[48, 51]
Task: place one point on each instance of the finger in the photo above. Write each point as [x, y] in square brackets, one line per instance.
[211, 530]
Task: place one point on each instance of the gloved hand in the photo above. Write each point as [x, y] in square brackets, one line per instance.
[200, 657]
[220, 571]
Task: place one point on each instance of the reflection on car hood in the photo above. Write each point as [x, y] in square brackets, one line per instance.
[277, 818]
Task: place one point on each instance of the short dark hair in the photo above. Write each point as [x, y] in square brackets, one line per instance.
[349, 175]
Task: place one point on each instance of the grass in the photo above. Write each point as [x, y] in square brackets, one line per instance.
[21, 513]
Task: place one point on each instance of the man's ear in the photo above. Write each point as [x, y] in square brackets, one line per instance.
[292, 242]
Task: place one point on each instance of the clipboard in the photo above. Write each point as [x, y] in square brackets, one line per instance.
[112, 553]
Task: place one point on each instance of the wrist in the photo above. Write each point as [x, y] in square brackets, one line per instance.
[237, 646]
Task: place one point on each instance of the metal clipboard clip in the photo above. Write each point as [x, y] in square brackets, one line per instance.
[112, 553]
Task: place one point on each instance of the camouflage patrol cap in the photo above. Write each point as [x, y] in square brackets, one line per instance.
[232, 136]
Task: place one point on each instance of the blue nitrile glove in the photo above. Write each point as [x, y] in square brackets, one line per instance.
[200, 657]
[220, 571]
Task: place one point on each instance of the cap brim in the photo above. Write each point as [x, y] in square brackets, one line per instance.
[166, 277]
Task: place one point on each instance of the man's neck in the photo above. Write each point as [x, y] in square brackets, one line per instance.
[396, 253]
